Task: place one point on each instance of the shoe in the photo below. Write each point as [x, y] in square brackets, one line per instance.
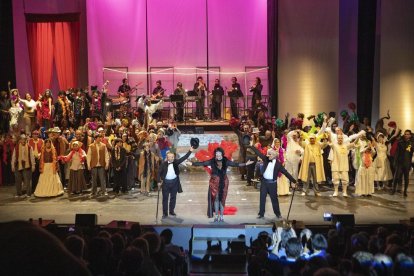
[405, 194]
[279, 217]
[216, 219]
[260, 216]
[242, 177]
[249, 183]
[335, 194]
[173, 214]
[105, 194]
[164, 216]
[304, 194]
[221, 218]
[393, 192]
[317, 194]
[345, 195]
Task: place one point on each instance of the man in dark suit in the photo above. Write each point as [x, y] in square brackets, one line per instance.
[168, 175]
[271, 169]
[118, 163]
[403, 159]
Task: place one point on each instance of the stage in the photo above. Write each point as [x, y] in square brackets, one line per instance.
[381, 208]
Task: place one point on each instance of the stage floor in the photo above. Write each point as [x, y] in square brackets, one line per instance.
[191, 206]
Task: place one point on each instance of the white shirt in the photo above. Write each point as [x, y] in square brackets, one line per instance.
[268, 174]
[170, 172]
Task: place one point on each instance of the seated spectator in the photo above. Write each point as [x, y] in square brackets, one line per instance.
[382, 265]
[362, 262]
[76, 246]
[27, 249]
[131, 261]
[319, 246]
[404, 265]
[305, 238]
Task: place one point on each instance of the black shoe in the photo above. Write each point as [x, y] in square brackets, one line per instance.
[242, 177]
[164, 216]
[260, 216]
[173, 214]
[405, 194]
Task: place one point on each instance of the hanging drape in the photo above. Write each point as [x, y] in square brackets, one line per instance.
[53, 38]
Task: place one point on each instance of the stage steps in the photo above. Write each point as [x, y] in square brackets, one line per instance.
[214, 247]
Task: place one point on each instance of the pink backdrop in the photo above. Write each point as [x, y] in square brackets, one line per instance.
[176, 38]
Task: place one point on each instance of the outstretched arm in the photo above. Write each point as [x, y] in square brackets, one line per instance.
[182, 159]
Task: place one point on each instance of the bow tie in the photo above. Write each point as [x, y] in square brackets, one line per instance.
[169, 163]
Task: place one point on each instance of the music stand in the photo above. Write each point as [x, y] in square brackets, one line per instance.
[177, 98]
[235, 94]
[192, 93]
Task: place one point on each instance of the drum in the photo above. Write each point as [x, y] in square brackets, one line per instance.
[119, 101]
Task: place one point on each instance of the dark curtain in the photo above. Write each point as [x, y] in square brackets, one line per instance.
[366, 56]
[272, 51]
[7, 66]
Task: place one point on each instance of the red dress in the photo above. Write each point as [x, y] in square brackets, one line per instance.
[45, 110]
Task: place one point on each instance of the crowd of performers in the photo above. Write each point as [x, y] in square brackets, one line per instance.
[48, 146]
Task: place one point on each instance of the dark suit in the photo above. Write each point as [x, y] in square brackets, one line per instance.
[257, 94]
[170, 187]
[269, 186]
[201, 95]
[236, 93]
[119, 169]
[218, 93]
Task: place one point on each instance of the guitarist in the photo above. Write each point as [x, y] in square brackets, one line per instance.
[158, 92]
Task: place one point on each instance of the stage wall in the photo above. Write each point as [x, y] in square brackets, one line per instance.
[177, 37]
[308, 56]
[397, 61]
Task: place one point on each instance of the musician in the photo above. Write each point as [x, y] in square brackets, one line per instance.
[158, 92]
[217, 93]
[124, 89]
[200, 88]
[180, 105]
[235, 93]
[256, 89]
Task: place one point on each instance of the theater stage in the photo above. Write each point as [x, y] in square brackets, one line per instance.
[381, 208]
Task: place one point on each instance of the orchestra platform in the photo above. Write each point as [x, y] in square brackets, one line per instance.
[200, 126]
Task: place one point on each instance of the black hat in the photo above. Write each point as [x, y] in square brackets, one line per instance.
[169, 132]
[94, 88]
[246, 140]
[194, 142]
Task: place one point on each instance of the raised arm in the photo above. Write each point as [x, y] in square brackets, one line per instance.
[261, 155]
[182, 159]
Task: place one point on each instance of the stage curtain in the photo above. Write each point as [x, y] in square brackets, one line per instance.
[40, 43]
[66, 52]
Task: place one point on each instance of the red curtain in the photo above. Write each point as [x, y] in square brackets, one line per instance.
[66, 51]
[40, 42]
[48, 41]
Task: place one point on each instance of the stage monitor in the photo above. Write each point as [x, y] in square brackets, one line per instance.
[344, 219]
[86, 220]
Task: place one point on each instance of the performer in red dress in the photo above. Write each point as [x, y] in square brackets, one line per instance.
[45, 109]
[218, 160]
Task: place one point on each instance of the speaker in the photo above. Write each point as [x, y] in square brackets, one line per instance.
[199, 130]
[344, 219]
[86, 220]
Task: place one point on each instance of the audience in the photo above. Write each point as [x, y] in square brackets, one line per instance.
[29, 250]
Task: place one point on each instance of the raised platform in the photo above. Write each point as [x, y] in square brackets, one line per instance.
[195, 126]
